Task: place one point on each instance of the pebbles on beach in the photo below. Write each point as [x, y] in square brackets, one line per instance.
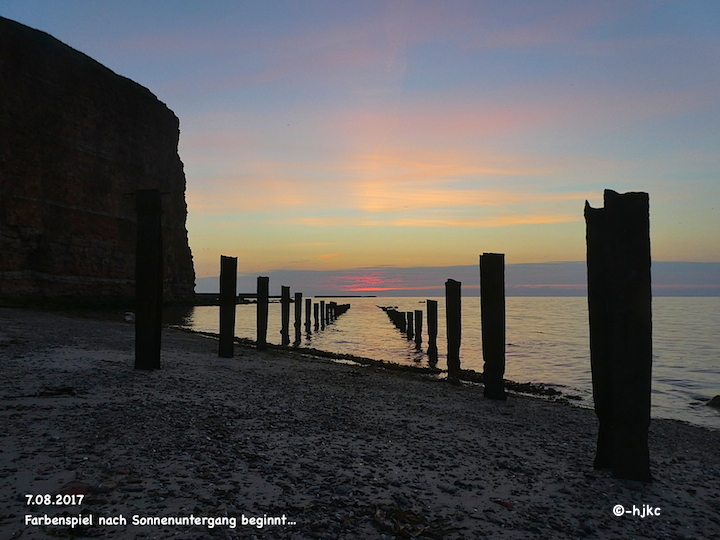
[344, 451]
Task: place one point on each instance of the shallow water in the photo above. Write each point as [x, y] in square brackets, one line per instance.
[547, 342]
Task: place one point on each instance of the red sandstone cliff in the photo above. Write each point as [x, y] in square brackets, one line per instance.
[76, 141]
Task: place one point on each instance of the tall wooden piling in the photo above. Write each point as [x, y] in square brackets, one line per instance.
[418, 327]
[148, 280]
[228, 304]
[410, 327]
[492, 321]
[308, 308]
[285, 315]
[619, 306]
[316, 315]
[322, 314]
[453, 319]
[432, 324]
[298, 317]
[263, 297]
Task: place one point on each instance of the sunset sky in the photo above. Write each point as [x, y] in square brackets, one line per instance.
[330, 135]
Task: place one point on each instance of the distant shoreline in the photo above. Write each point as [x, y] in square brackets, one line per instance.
[669, 278]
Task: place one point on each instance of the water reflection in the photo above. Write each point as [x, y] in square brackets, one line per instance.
[547, 343]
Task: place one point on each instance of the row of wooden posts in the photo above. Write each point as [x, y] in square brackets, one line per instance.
[620, 317]
[149, 294]
[619, 304]
[492, 320]
[410, 323]
[324, 313]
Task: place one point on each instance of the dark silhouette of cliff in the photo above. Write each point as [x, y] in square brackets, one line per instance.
[77, 141]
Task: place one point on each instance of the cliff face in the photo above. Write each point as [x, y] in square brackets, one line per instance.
[76, 142]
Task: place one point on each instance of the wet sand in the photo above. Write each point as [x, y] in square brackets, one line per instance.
[342, 450]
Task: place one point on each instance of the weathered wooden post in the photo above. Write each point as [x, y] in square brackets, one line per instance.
[263, 297]
[453, 319]
[492, 321]
[432, 324]
[228, 304]
[148, 280]
[410, 328]
[308, 307]
[322, 314]
[619, 306]
[418, 327]
[285, 315]
[298, 317]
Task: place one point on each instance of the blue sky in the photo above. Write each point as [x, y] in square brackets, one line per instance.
[338, 135]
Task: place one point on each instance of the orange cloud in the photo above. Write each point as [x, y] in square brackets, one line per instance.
[378, 196]
[490, 221]
[266, 188]
[493, 221]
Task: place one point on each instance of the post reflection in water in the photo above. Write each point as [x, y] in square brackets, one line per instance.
[547, 343]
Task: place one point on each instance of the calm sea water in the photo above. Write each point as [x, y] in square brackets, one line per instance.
[547, 343]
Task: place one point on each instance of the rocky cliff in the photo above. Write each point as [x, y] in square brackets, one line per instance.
[76, 142]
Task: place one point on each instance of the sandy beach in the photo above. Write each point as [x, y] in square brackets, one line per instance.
[232, 448]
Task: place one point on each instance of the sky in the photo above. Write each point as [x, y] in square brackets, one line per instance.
[331, 135]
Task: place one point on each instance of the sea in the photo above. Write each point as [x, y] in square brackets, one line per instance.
[547, 343]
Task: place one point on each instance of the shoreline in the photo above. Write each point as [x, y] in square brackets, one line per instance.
[466, 375]
[551, 350]
[345, 451]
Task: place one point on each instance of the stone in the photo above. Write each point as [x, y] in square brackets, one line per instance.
[714, 402]
[78, 142]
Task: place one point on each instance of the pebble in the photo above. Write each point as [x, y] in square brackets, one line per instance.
[273, 433]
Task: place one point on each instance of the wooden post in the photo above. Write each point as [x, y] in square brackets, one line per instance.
[453, 319]
[322, 314]
[308, 308]
[619, 306]
[285, 315]
[432, 324]
[418, 327]
[492, 321]
[298, 317]
[409, 333]
[263, 297]
[316, 315]
[148, 280]
[228, 304]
